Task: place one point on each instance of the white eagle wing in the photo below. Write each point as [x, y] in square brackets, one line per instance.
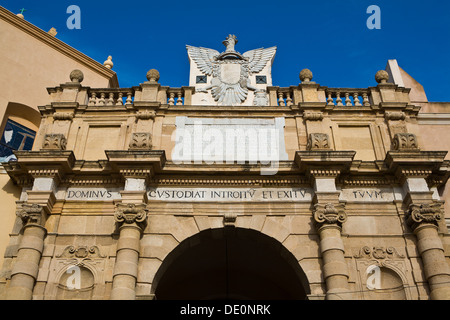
[258, 58]
[203, 57]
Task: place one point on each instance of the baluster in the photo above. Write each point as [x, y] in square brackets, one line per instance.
[180, 99]
[111, 99]
[171, 99]
[366, 101]
[338, 99]
[281, 100]
[356, 100]
[120, 99]
[129, 98]
[348, 101]
[92, 100]
[288, 99]
[330, 101]
[101, 102]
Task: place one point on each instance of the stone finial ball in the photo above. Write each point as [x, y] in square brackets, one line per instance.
[153, 75]
[382, 76]
[76, 76]
[306, 75]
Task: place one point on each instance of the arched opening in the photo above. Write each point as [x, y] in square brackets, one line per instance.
[230, 263]
[390, 286]
[18, 130]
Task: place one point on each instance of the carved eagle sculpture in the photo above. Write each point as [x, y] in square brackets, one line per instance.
[230, 70]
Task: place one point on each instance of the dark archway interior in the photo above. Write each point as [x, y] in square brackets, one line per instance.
[230, 263]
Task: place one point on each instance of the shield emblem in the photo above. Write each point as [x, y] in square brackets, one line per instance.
[230, 73]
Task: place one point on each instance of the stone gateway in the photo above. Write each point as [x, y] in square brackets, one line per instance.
[352, 208]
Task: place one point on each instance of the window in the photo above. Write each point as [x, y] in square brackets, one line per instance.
[201, 79]
[15, 137]
[261, 80]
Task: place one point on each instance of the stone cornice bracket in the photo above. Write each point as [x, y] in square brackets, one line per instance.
[419, 214]
[329, 214]
[415, 164]
[53, 164]
[130, 213]
[324, 163]
[31, 214]
[137, 163]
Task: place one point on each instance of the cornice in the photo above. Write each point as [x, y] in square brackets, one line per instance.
[58, 45]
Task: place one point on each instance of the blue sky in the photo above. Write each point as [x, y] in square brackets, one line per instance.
[329, 37]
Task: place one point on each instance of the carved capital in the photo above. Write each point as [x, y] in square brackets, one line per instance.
[329, 214]
[405, 141]
[31, 214]
[141, 141]
[318, 141]
[129, 213]
[54, 142]
[423, 213]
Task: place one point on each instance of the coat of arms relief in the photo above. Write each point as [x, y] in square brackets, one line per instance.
[230, 72]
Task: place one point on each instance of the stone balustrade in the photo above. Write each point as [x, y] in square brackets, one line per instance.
[110, 97]
[347, 97]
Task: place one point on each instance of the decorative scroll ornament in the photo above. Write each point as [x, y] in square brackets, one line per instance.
[54, 142]
[141, 141]
[405, 141]
[82, 252]
[423, 213]
[318, 141]
[31, 214]
[378, 253]
[127, 213]
[329, 214]
[230, 70]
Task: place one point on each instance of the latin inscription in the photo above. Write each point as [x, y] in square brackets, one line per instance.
[229, 194]
[368, 195]
[92, 194]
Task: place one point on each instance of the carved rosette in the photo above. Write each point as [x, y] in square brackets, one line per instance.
[405, 141]
[129, 213]
[423, 213]
[329, 214]
[31, 214]
[318, 141]
[141, 141]
[54, 142]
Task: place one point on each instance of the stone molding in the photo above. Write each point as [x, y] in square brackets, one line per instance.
[395, 116]
[313, 116]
